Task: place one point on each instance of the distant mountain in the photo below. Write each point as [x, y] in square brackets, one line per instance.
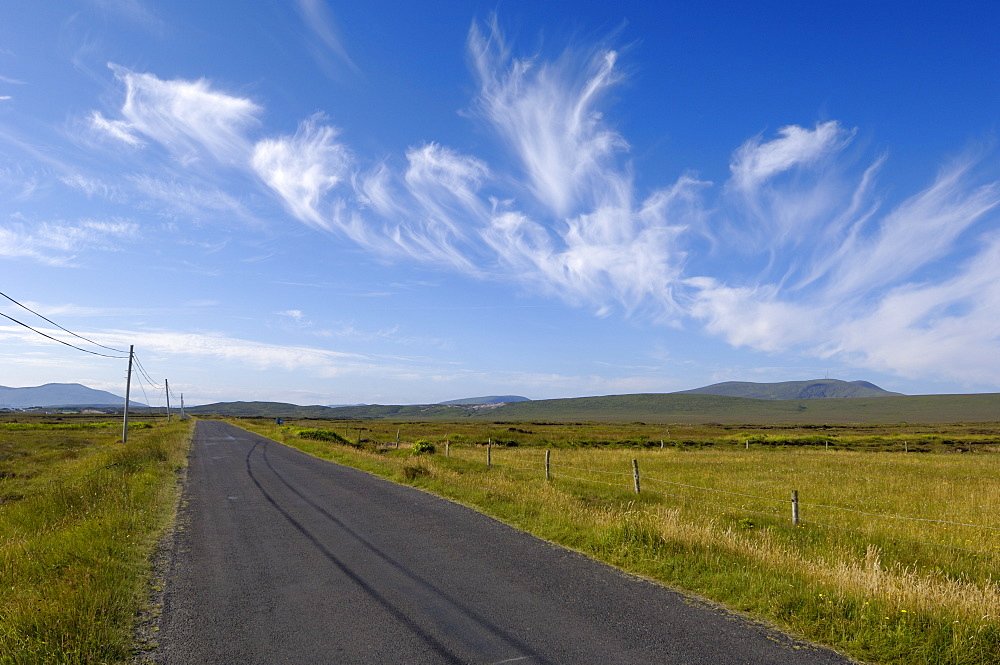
[493, 399]
[56, 394]
[816, 389]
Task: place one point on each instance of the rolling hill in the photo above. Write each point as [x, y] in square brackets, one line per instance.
[57, 394]
[492, 399]
[815, 389]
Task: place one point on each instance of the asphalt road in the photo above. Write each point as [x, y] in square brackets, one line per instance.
[284, 558]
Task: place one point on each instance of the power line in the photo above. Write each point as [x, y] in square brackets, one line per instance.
[149, 405]
[143, 371]
[58, 326]
[54, 339]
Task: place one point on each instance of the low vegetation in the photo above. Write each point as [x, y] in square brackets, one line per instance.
[80, 515]
[894, 559]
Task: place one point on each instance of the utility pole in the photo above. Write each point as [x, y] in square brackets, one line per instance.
[166, 388]
[182, 407]
[128, 388]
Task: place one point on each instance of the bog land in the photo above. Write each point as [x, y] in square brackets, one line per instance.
[80, 516]
[893, 558]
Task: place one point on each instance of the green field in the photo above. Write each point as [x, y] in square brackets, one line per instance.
[894, 560]
[80, 516]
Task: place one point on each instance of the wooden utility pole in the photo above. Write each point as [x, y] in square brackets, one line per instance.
[182, 406]
[128, 389]
[166, 387]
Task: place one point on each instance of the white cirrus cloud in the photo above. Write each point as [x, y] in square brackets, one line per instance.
[323, 26]
[58, 244]
[303, 168]
[800, 251]
[94, 187]
[547, 113]
[188, 118]
[906, 289]
[116, 129]
[207, 346]
[189, 200]
[755, 162]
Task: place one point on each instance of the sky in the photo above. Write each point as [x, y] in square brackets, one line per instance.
[328, 202]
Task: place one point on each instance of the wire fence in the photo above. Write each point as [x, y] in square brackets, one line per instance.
[546, 468]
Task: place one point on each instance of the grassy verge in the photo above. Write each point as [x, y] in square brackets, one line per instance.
[80, 515]
[880, 589]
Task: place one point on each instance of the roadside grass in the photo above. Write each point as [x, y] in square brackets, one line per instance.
[80, 515]
[878, 588]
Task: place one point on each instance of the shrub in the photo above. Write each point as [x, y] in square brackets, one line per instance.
[323, 435]
[423, 446]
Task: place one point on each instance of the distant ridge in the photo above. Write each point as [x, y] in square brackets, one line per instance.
[815, 389]
[653, 408]
[56, 394]
[493, 399]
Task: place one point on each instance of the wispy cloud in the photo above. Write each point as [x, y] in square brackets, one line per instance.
[806, 252]
[58, 244]
[302, 168]
[117, 129]
[94, 187]
[257, 355]
[189, 118]
[889, 289]
[189, 200]
[295, 315]
[578, 229]
[548, 114]
[327, 37]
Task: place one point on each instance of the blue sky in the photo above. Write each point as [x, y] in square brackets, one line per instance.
[328, 202]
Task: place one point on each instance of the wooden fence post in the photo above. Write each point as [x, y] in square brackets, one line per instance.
[795, 507]
[447, 448]
[635, 474]
[489, 452]
[548, 455]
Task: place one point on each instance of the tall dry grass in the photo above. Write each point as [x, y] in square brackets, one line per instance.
[80, 514]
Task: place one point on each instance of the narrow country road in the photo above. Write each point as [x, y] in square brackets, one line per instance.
[284, 558]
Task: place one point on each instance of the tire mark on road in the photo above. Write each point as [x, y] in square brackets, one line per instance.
[447, 615]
